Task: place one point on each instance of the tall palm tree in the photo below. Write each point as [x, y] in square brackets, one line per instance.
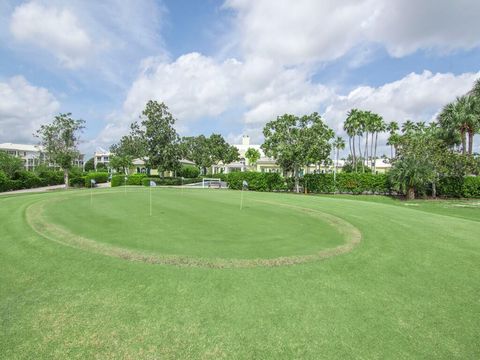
[339, 144]
[408, 126]
[392, 128]
[379, 126]
[350, 126]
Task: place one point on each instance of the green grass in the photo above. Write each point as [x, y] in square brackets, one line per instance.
[408, 290]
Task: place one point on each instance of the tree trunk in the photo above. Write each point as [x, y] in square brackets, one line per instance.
[65, 178]
[365, 161]
[434, 190]
[354, 163]
[410, 193]
[464, 142]
[297, 185]
[470, 142]
[371, 147]
[391, 152]
[375, 154]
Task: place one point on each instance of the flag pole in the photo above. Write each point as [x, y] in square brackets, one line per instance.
[150, 199]
[91, 193]
[241, 199]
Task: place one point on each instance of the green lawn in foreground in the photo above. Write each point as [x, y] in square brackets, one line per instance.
[408, 290]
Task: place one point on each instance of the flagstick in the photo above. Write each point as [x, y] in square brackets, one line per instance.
[241, 199]
[150, 200]
[182, 185]
[91, 194]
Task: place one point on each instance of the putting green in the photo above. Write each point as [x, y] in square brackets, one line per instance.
[189, 228]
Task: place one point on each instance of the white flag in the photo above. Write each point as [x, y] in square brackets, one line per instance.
[153, 183]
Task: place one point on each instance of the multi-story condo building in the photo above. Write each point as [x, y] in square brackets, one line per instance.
[33, 155]
[101, 156]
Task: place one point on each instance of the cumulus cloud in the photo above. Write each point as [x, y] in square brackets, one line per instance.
[52, 28]
[416, 97]
[311, 30]
[24, 107]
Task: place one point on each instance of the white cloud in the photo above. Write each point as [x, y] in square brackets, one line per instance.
[415, 97]
[309, 30]
[55, 29]
[24, 107]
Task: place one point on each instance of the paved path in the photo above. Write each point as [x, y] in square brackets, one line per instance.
[45, 188]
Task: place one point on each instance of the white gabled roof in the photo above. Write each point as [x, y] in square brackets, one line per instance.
[21, 147]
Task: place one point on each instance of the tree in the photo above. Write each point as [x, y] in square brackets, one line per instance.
[60, 140]
[130, 146]
[378, 126]
[160, 137]
[338, 144]
[392, 128]
[10, 164]
[205, 152]
[351, 125]
[295, 142]
[101, 167]
[252, 155]
[90, 164]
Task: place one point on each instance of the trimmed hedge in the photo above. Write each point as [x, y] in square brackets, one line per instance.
[256, 181]
[189, 172]
[135, 179]
[99, 177]
[118, 180]
[467, 187]
[349, 183]
[170, 181]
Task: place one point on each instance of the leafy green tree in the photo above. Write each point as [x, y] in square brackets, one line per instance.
[121, 163]
[252, 155]
[295, 142]
[10, 164]
[60, 140]
[90, 164]
[101, 167]
[392, 128]
[130, 146]
[160, 137]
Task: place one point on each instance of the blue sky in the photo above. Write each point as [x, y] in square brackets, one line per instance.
[230, 66]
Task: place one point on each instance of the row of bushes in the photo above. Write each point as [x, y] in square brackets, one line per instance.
[170, 181]
[467, 187]
[26, 180]
[350, 183]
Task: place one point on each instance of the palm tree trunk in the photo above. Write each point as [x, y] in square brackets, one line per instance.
[375, 154]
[391, 152]
[464, 142]
[354, 155]
[366, 150]
[65, 178]
[470, 142]
[410, 193]
[371, 146]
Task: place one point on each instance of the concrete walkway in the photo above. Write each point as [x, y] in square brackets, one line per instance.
[45, 188]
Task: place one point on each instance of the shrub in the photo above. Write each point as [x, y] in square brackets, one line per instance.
[118, 180]
[99, 177]
[4, 182]
[169, 181]
[256, 181]
[135, 179]
[78, 181]
[471, 187]
[27, 179]
[189, 171]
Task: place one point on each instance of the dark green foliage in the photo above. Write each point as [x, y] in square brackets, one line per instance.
[101, 167]
[466, 187]
[10, 164]
[346, 183]
[27, 179]
[256, 181]
[188, 171]
[77, 181]
[118, 180]
[4, 182]
[99, 177]
[90, 165]
[48, 176]
[169, 181]
[135, 179]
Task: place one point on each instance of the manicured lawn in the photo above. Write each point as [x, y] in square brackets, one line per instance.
[409, 289]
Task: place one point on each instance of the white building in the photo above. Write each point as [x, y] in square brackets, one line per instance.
[101, 156]
[32, 155]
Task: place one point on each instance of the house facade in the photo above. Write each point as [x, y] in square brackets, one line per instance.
[267, 164]
[33, 155]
